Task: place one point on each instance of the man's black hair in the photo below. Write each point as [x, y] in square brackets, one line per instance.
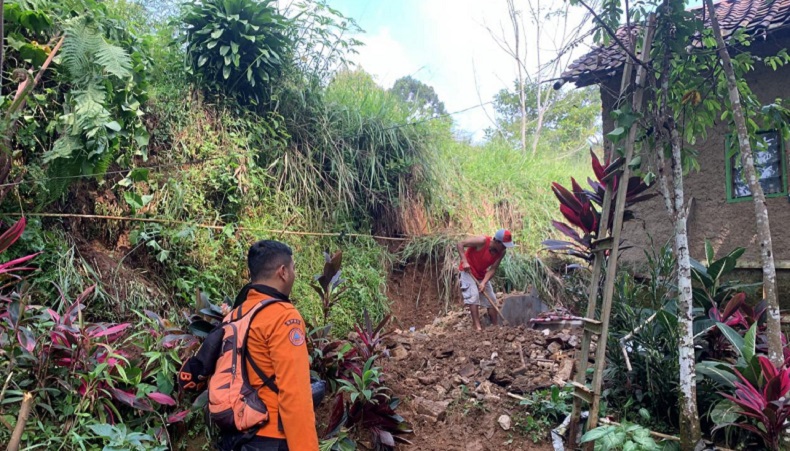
[265, 257]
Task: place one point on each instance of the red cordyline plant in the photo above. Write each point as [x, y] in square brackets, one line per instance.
[767, 405]
[581, 208]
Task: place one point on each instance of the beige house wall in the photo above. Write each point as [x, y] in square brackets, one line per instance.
[726, 224]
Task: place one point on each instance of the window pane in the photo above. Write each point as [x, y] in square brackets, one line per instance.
[768, 163]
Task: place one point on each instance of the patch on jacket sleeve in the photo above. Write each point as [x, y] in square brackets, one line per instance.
[296, 336]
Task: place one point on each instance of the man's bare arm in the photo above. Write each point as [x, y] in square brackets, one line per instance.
[476, 241]
[491, 271]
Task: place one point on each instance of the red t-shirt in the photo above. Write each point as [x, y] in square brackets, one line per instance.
[480, 260]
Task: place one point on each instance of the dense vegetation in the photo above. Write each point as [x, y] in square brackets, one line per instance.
[148, 144]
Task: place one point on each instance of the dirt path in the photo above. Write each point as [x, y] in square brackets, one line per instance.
[454, 382]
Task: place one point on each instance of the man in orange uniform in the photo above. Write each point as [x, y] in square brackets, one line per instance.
[480, 258]
[276, 346]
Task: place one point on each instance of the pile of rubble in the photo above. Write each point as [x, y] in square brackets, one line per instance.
[448, 361]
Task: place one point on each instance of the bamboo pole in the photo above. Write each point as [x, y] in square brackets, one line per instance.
[611, 266]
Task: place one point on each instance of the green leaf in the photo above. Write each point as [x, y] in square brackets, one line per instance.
[234, 47]
[202, 60]
[717, 372]
[217, 33]
[133, 199]
[102, 430]
[616, 133]
[211, 44]
[733, 336]
[139, 174]
[709, 254]
[224, 49]
[597, 433]
[749, 343]
[115, 126]
[226, 72]
[725, 412]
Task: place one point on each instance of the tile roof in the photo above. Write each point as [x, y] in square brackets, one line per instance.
[756, 17]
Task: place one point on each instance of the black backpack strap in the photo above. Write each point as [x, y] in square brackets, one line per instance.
[267, 381]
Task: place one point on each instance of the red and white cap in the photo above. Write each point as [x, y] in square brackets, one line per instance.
[504, 237]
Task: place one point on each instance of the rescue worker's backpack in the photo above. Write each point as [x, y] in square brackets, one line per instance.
[234, 404]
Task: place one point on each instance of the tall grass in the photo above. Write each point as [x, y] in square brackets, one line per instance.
[483, 188]
[353, 153]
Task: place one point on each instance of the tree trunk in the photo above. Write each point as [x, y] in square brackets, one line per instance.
[522, 104]
[760, 210]
[2, 41]
[538, 94]
[690, 432]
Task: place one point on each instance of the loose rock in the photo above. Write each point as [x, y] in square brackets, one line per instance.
[504, 422]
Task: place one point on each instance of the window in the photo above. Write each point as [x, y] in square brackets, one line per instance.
[769, 161]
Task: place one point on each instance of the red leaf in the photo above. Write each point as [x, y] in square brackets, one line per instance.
[567, 230]
[130, 399]
[566, 198]
[177, 417]
[734, 305]
[26, 339]
[578, 191]
[10, 266]
[114, 330]
[572, 216]
[597, 167]
[10, 236]
[162, 398]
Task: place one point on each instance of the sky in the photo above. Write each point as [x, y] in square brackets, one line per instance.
[446, 44]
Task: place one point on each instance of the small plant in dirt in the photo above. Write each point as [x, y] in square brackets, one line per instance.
[327, 283]
[361, 401]
[626, 437]
[545, 410]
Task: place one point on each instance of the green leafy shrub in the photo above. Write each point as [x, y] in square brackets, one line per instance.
[626, 437]
[237, 46]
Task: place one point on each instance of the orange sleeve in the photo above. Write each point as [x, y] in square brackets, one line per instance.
[292, 367]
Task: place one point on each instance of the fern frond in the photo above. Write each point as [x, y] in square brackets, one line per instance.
[75, 53]
[89, 109]
[62, 173]
[64, 148]
[86, 54]
[113, 59]
[102, 165]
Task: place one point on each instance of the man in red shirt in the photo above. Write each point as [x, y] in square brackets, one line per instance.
[480, 258]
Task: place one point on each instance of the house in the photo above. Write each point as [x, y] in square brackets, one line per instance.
[722, 209]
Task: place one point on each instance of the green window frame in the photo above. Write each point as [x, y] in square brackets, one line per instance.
[732, 162]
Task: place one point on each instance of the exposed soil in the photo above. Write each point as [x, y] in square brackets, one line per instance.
[122, 281]
[414, 296]
[456, 383]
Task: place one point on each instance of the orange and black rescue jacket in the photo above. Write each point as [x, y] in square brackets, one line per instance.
[277, 344]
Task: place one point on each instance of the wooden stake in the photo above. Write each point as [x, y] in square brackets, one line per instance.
[21, 422]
